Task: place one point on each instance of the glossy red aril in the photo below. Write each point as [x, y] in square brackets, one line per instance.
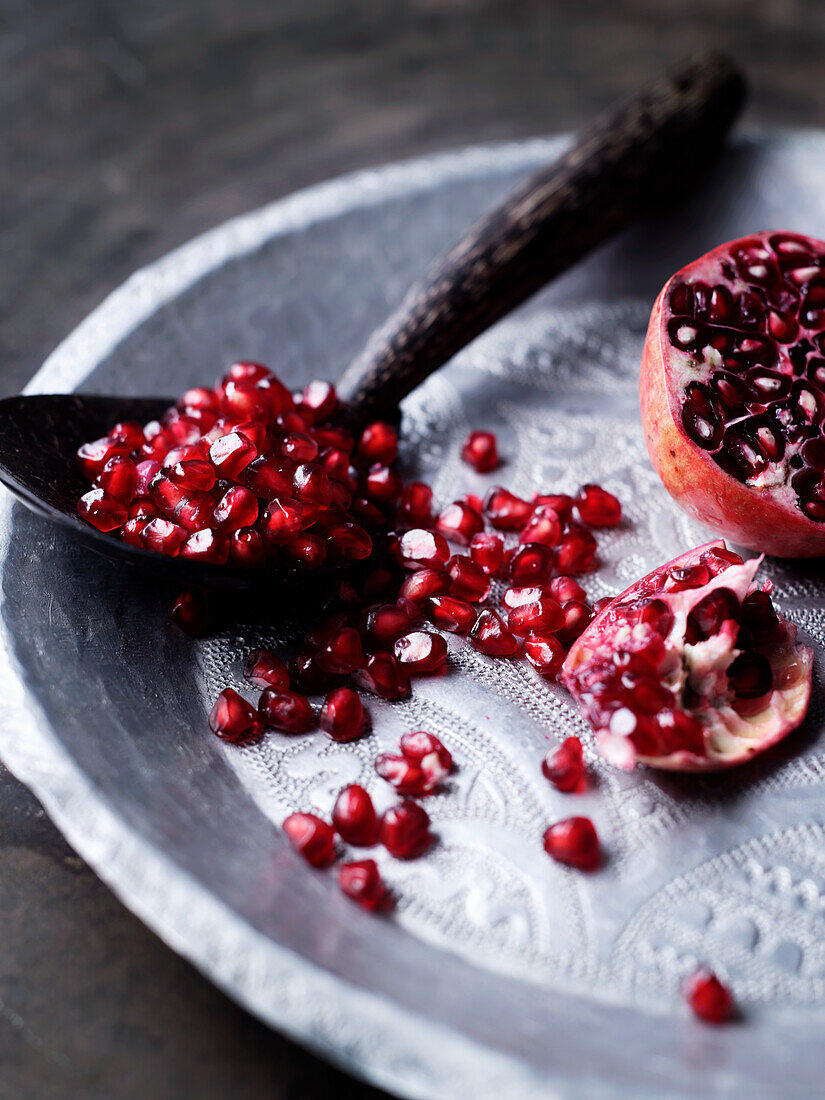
[566, 588]
[348, 542]
[667, 675]
[544, 526]
[342, 653]
[246, 549]
[487, 550]
[423, 584]
[505, 511]
[263, 669]
[235, 720]
[480, 450]
[404, 830]
[163, 536]
[231, 454]
[415, 505]
[101, 510]
[305, 551]
[468, 581]
[710, 1000]
[428, 752]
[561, 504]
[128, 432]
[460, 523]
[310, 484]
[378, 443]
[383, 676]
[733, 391]
[270, 476]
[119, 478]
[354, 817]
[385, 623]
[564, 766]
[419, 548]
[237, 508]
[598, 508]
[576, 550]
[574, 842]
[521, 595]
[420, 652]
[285, 710]
[404, 775]
[361, 881]
[281, 520]
[542, 617]
[190, 612]
[545, 653]
[192, 475]
[146, 472]
[529, 564]
[319, 401]
[491, 637]
[448, 613]
[577, 617]
[343, 716]
[311, 837]
[92, 457]
[383, 484]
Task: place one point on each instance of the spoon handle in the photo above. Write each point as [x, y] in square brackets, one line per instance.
[656, 145]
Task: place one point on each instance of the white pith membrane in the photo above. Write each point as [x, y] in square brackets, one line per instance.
[729, 737]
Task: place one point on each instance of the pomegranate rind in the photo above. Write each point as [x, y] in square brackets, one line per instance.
[766, 519]
[729, 737]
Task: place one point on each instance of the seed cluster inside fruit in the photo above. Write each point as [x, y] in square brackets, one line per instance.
[749, 338]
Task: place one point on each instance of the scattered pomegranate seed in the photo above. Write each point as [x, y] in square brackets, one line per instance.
[190, 612]
[383, 676]
[102, 511]
[361, 881]
[564, 766]
[231, 454]
[576, 551]
[542, 617]
[566, 588]
[521, 595]
[383, 624]
[425, 750]
[354, 817]
[92, 457]
[708, 998]
[420, 652]
[448, 613]
[342, 653]
[404, 775]
[311, 837]
[530, 564]
[561, 504]
[544, 526]
[163, 537]
[237, 508]
[235, 720]
[480, 451]
[601, 604]
[348, 542]
[468, 581]
[577, 617]
[460, 523]
[545, 653]
[343, 716]
[505, 511]
[379, 443]
[491, 637]
[423, 584]
[263, 669]
[487, 551]
[415, 505]
[119, 478]
[597, 507]
[575, 842]
[383, 484]
[284, 710]
[405, 830]
[419, 548]
[192, 475]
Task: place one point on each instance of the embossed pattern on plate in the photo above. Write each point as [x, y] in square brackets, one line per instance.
[501, 973]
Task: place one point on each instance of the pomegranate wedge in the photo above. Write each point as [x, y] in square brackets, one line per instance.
[733, 391]
[690, 668]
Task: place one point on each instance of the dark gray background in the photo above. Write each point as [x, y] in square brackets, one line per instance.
[127, 127]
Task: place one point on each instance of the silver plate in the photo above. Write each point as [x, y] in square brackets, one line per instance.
[501, 974]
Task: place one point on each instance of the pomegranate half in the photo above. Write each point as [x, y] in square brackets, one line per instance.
[733, 391]
[691, 668]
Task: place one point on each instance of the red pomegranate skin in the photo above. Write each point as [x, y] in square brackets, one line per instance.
[753, 517]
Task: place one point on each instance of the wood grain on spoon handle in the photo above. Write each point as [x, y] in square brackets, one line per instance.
[656, 144]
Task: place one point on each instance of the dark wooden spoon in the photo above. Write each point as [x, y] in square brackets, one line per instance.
[654, 145]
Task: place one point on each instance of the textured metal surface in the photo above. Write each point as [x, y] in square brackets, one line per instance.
[502, 974]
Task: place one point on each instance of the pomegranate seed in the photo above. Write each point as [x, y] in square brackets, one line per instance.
[201, 399]
[319, 401]
[132, 530]
[243, 401]
[505, 511]
[231, 454]
[307, 551]
[284, 710]
[419, 548]
[102, 511]
[235, 720]
[415, 505]
[383, 676]
[263, 669]
[281, 521]
[190, 612]
[448, 613]
[342, 653]
[383, 484]
[575, 842]
[597, 507]
[561, 504]
[577, 617]
[426, 751]
[601, 604]
[129, 433]
[237, 508]
[488, 552]
[480, 451]
[163, 537]
[382, 625]
[192, 475]
[146, 472]
[401, 773]
[245, 370]
[521, 596]
[305, 674]
[92, 457]
[544, 526]
[343, 716]
[564, 766]
[355, 818]
[576, 551]
[119, 478]
[348, 542]
[423, 584]
[531, 563]
[566, 588]
[298, 447]
[708, 998]
[460, 523]
[270, 476]
[682, 578]
[335, 463]
[143, 509]
[405, 830]
[542, 617]
[311, 484]
[468, 581]
[246, 549]
[420, 652]
[361, 881]
[474, 501]
[379, 443]
[491, 637]
[311, 837]
[545, 653]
